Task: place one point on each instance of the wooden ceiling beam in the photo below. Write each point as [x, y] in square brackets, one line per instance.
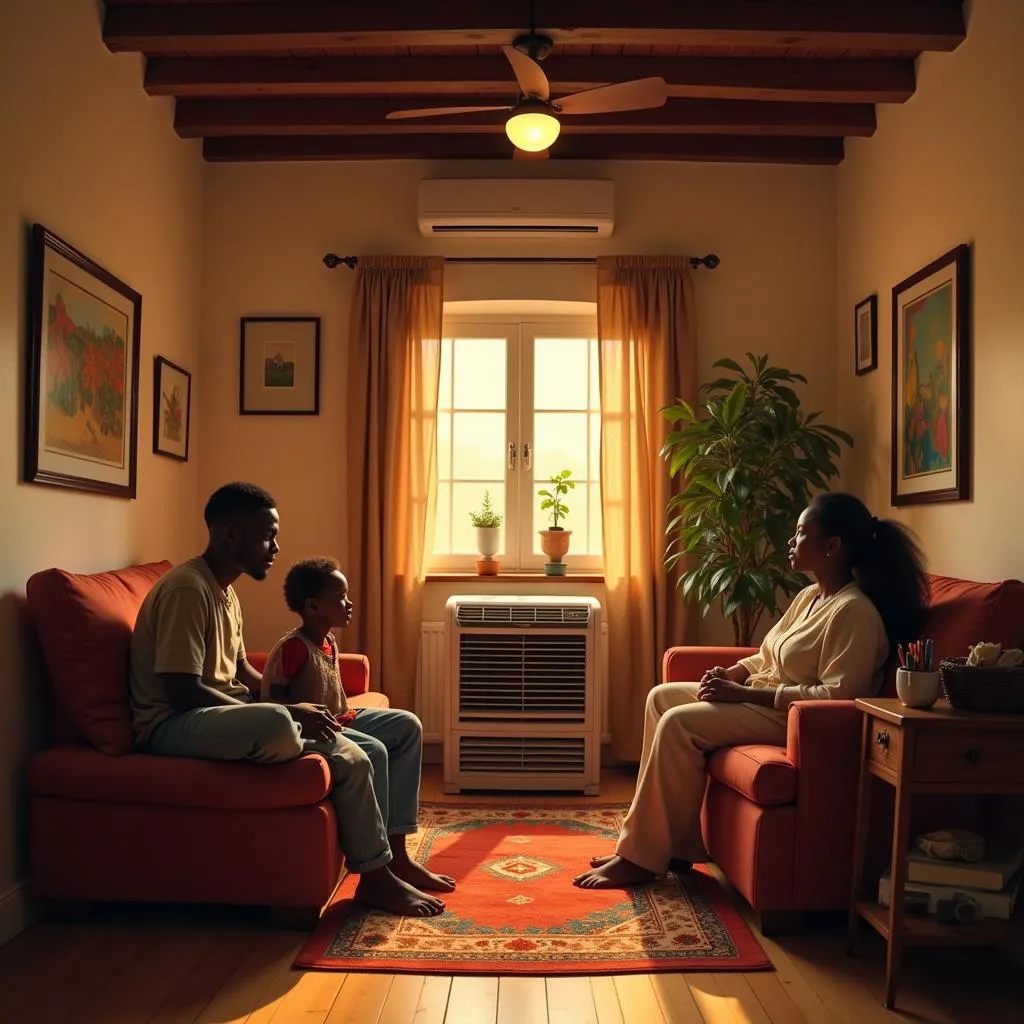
[848, 26]
[828, 81]
[726, 148]
[198, 118]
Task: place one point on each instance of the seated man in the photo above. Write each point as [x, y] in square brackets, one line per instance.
[190, 692]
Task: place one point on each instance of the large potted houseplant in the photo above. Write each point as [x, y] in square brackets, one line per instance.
[554, 541]
[750, 459]
[488, 536]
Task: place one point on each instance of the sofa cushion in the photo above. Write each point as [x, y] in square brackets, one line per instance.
[760, 772]
[83, 774]
[85, 626]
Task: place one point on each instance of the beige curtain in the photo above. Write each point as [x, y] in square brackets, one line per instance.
[393, 373]
[648, 357]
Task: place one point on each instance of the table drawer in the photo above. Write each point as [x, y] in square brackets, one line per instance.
[988, 757]
[885, 743]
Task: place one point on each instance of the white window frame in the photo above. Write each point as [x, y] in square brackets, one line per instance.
[519, 332]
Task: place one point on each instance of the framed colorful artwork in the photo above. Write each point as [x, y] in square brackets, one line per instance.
[931, 396]
[280, 366]
[865, 335]
[172, 409]
[82, 398]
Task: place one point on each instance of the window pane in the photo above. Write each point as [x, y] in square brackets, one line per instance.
[595, 542]
[480, 373]
[444, 392]
[595, 446]
[560, 442]
[468, 498]
[479, 449]
[595, 379]
[444, 446]
[560, 373]
[443, 524]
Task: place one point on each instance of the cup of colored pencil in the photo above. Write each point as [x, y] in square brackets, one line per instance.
[917, 682]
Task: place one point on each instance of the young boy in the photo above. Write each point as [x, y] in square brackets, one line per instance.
[302, 667]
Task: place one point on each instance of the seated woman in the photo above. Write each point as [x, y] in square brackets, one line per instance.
[831, 643]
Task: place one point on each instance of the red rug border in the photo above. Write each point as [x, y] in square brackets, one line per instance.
[750, 954]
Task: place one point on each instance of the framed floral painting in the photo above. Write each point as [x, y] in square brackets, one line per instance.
[82, 395]
[865, 335]
[172, 409]
[931, 387]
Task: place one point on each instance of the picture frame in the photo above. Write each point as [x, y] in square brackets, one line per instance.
[931, 397]
[172, 409]
[865, 335]
[82, 372]
[279, 373]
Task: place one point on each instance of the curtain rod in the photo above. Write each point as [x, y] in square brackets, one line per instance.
[332, 260]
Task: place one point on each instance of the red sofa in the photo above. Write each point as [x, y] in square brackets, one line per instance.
[778, 821]
[108, 823]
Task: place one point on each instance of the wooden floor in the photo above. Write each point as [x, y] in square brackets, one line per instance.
[186, 965]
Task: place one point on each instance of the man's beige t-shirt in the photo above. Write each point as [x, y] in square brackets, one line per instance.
[188, 625]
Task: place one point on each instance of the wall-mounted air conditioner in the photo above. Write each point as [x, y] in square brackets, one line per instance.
[523, 693]
[516, 207]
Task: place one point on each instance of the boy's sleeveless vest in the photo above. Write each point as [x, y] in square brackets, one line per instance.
[317, 682]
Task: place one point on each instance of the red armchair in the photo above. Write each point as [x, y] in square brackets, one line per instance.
[108, 823]
[778, 821]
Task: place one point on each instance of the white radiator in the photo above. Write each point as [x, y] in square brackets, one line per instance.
[430, 682]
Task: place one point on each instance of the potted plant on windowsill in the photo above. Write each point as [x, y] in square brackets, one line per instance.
[554, 541]
[488, 536]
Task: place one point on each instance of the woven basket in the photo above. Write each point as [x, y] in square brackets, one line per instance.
[982, 687]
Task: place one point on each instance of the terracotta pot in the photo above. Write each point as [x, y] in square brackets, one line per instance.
[487, 566]
[555, 543]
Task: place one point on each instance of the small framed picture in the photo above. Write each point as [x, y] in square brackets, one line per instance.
[172, 409]
[280, 366]
[865, 335]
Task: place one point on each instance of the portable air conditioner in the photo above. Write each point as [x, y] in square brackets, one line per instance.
[522, 697]
[516, 207]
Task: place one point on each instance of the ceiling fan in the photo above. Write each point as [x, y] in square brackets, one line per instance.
[533, 124]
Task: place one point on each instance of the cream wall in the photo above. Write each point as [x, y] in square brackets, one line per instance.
[946, 167]
[86, 153]
[268, 226]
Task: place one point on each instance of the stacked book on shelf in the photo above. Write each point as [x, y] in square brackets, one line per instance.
[990, 884]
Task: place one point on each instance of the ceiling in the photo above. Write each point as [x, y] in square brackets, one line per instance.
[748, 80]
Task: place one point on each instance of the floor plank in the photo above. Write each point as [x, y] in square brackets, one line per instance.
[677, 1003]
[637, 999]
[433, 1005]
[403, 999]
[473, 1000]
[362, 999]
[570, 1001]
[606, 1000]
[522, 1001]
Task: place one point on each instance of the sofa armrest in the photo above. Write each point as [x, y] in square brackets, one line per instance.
[823, 741]
[688, 664]
[354, 670]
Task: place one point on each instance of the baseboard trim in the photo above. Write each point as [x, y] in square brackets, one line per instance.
[17, 911]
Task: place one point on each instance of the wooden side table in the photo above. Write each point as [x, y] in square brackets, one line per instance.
[935, 750]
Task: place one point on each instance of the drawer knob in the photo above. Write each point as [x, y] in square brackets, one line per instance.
[882, 738]
[973, 756]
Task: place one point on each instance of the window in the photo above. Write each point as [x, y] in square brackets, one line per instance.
[518, 401]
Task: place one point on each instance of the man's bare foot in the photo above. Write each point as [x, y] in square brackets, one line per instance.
[383, 890]
[413, 872]
[675, 864]
[616, 873]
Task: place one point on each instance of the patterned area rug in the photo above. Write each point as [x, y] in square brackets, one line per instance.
[516, 912]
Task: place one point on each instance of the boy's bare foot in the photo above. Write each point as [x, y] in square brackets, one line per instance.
[413, 872]
[675, 864]
[615, 873]
[382, 890]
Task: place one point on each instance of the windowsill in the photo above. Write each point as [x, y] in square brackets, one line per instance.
[513, 577]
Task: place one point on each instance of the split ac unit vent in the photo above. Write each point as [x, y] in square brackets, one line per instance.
[516, 207]
[522, 697]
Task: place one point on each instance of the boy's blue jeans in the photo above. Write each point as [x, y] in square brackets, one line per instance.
[375, 764]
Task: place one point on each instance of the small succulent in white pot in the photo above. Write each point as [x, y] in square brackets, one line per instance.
[488, 523]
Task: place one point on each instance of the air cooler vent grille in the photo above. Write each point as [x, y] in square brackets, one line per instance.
[534, 677]
[520, 755]
[472, 614]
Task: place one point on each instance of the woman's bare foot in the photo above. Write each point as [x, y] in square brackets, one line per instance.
[413, 872]
[615, 873]
[383, 890]
[675, 864]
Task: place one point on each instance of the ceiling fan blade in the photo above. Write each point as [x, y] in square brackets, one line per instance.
[529, 74]
[606, 99]
[401, 115]
[523, 154]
